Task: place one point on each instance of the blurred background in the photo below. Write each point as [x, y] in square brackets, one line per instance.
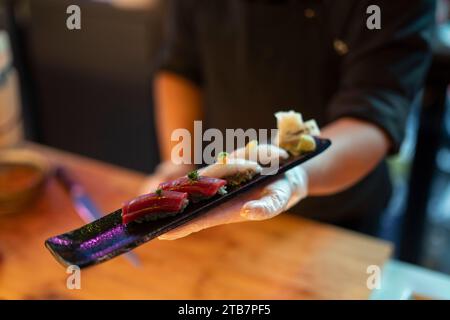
[54, 81]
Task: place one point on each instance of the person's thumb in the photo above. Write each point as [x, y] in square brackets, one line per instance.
[273, 201]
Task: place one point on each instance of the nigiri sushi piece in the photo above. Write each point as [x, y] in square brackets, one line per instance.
[152, 206]
[234, 171]
[196, 186]
[261, 153]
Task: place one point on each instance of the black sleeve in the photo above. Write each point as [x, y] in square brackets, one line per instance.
[384, 69]
[179, 51]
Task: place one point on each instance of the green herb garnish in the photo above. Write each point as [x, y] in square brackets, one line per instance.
[222, 190]
[222, 157]
[222, 154]
[158, 192]
[193, 175]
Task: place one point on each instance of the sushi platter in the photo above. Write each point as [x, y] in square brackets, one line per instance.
[109, 236]
[178, 201]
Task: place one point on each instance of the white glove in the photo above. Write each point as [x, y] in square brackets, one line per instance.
[278, 196]
[258, 204]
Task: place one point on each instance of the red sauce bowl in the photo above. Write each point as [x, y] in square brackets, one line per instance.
[22, 176]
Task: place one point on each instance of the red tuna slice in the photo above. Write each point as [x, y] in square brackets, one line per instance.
[152, 206]
[199, 188]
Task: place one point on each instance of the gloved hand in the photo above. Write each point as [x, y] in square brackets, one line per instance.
[259, 204]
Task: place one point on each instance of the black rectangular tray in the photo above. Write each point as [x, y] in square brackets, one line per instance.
[107, 237]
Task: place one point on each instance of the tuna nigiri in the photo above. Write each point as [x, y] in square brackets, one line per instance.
[198, 187]
[153, 206]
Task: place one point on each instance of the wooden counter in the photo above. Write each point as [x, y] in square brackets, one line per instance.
[284, 258]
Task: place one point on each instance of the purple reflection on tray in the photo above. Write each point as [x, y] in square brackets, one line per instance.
[102, 238]
[60, 241]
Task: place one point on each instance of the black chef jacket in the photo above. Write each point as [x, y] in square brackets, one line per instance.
[253, 58]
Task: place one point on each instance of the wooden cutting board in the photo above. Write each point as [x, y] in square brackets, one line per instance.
[284, 258]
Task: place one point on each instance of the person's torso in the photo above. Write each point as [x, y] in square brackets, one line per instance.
[260, 57]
